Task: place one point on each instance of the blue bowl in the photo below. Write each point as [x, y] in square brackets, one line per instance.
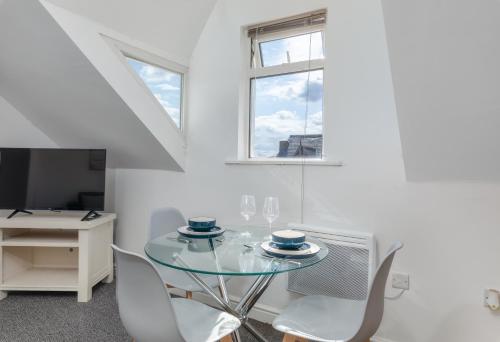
[288, 245]
[201, 223]
[288, 239]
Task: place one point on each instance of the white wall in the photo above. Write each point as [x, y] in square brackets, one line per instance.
[17, 131]
[444, 56]
[450, 229]
[157, 23]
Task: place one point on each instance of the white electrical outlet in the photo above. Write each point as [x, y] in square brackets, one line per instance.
[492, 299]
[401, 281]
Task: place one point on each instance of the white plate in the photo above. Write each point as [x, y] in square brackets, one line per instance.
[308, 250]
[190, 233]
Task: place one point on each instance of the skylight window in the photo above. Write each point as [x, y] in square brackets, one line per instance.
[166, 86]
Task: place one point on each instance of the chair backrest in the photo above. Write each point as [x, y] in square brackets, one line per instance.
[143, 301]
[165, 220]
[374, 309]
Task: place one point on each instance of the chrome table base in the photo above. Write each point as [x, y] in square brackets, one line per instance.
[244, 306]
[246, 303]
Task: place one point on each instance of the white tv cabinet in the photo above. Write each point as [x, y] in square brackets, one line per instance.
[50, 251]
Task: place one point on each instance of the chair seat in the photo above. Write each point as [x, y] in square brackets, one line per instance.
[200, 323]
[321, 318]
[179, 279]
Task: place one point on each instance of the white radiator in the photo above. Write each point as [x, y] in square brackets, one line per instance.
[347, 270]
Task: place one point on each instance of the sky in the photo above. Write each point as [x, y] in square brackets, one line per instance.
[164, 84]
[281, 102]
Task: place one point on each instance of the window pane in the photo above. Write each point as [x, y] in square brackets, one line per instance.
[165, 85]
[279, 105]
[292, 49]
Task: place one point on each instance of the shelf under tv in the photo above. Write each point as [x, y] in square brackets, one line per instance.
[55, 251]
[39, 238]
[43, 279]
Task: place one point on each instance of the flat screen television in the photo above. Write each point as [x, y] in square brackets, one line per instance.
[52, 179]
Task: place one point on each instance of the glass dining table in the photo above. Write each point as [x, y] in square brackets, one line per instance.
[235, 253]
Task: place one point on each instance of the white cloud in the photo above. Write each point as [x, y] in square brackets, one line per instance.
[271, 129]
[293, 87]
[173, 112]
[167, 87]
[275, 52]
[163, 101]
[299, 47]
[152, 74]
[175, 115]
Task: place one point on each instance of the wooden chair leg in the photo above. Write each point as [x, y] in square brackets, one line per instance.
[227, 338]
[189, 295]
[291, 338]
[169, 286]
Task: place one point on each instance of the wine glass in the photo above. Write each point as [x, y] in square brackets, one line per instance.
[247, 206]
[271, 210]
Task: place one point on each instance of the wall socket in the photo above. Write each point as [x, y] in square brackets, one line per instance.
[401, 281]
[491, 299]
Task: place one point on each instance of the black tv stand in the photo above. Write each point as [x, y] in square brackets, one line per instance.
[16, 211]
[91, 215]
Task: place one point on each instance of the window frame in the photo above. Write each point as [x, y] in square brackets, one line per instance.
[127, 51]
[259, 71]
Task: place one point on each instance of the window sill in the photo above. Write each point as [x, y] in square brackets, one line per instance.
[312, 162]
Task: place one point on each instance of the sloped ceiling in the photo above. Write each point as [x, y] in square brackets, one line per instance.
[47, 78]
[170, 25]
[446, 72]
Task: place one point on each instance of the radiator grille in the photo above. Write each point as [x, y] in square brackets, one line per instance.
[345, 272]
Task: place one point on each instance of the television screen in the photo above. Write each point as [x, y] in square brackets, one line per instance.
[57, 179]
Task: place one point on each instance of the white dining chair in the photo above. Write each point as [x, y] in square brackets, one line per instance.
[164, 221]
[330, 319]
[149, 314]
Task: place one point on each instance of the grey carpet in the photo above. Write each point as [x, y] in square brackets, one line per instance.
[56, 316]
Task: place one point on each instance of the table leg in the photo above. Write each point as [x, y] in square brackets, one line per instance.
[245, 304]
[249, 292]
[211, 292]
[253, 294]
[223, 291]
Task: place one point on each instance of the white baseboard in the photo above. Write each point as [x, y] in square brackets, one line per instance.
[260, 312]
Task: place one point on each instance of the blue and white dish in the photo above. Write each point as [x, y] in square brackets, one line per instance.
[288, 245]
[307, 250]
[189, 232]
[288, 239]
[201, 223]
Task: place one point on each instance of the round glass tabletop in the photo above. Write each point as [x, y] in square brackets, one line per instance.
[236, 253]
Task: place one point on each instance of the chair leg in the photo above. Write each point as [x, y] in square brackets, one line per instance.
[169, 286]
[189, 295]
[227, 338]
[291, 338]
[221, 294]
